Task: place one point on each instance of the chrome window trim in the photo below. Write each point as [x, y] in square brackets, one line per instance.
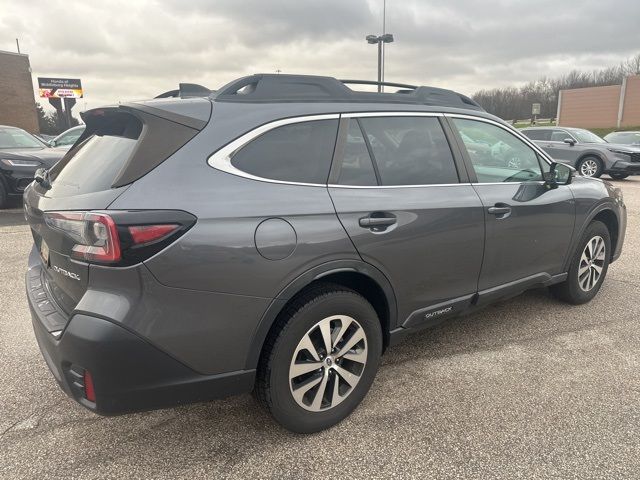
[465, 184]
[333, 185]
[221, 159]
[513, 132]
[395, 113]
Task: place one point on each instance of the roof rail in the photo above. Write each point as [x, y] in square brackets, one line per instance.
[186, 90]
[268, 88]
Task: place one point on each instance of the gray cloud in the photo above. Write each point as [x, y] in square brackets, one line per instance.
[124, 50]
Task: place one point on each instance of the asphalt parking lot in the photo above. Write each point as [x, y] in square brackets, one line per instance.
[528, 388]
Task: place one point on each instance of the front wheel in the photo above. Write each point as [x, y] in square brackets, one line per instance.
[588, 267]
[590, 167]
[320, 360]
[618, 176]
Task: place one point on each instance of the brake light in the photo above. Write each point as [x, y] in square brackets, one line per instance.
[145, 234]
[95, 234]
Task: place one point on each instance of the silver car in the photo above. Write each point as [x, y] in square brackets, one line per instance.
[587, 152]
[624, 138]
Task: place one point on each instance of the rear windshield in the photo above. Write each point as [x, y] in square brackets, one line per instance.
[94, 165]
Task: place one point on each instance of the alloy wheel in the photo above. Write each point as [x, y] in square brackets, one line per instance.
[591, 263]
[328, 363]
[589, 167]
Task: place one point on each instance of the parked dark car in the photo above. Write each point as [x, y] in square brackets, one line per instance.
[591, 155]
[624, 138]
[21, 154]
[279, 234]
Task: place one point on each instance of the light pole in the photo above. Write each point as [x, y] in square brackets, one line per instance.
[380, 40]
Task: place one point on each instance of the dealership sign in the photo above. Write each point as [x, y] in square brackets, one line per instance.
[59, 87]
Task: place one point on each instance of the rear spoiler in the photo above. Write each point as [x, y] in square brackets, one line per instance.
[187, 90]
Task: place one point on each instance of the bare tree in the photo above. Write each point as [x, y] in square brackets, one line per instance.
[515, 103]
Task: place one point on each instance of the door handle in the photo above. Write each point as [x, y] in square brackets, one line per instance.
[377, 222]
[500, 210]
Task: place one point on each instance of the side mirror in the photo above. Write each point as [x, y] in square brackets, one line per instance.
[559, 174]
[42, 177]
[570, 141]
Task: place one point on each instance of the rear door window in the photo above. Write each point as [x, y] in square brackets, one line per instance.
[410, 150]
[299, 152]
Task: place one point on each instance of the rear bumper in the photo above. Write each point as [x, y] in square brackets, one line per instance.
[129, 374]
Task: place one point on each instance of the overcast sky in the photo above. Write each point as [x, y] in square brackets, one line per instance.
[124, 50]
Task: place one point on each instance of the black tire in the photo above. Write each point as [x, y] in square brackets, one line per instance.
[570, 291]
[599, 169]
[273, 384]
[618, 176]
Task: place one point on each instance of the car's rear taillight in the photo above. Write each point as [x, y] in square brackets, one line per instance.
[95, 234]
[118, 237]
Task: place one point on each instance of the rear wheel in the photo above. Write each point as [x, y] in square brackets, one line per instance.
[590, 167]
[588, 267]
[320, 360]
[618, 176]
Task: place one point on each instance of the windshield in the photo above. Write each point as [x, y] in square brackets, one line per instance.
[625, 138]
[16, 138]
[585, 136]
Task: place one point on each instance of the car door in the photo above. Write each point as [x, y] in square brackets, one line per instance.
[409, 210]
[560, 150]
[528, 225]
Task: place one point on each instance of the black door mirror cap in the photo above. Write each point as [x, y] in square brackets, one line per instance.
[570, 141]
[552, 179]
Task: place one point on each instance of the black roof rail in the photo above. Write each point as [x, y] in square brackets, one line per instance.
[269, 88]
[373, 82]
[187, 90]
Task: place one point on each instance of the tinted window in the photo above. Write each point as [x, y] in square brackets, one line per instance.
[497, 155]
[538, 134]
[300, 152]
[357, 168]
[410, 150]
[559, 136]
[94, 165]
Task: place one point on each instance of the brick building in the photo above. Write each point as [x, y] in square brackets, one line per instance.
[601, 107]
[17, 101]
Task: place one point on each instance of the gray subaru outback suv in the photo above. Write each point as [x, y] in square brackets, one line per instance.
[587, 152]
[277, 235]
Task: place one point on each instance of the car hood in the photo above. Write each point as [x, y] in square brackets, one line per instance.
[47, 156]
[620, 146]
